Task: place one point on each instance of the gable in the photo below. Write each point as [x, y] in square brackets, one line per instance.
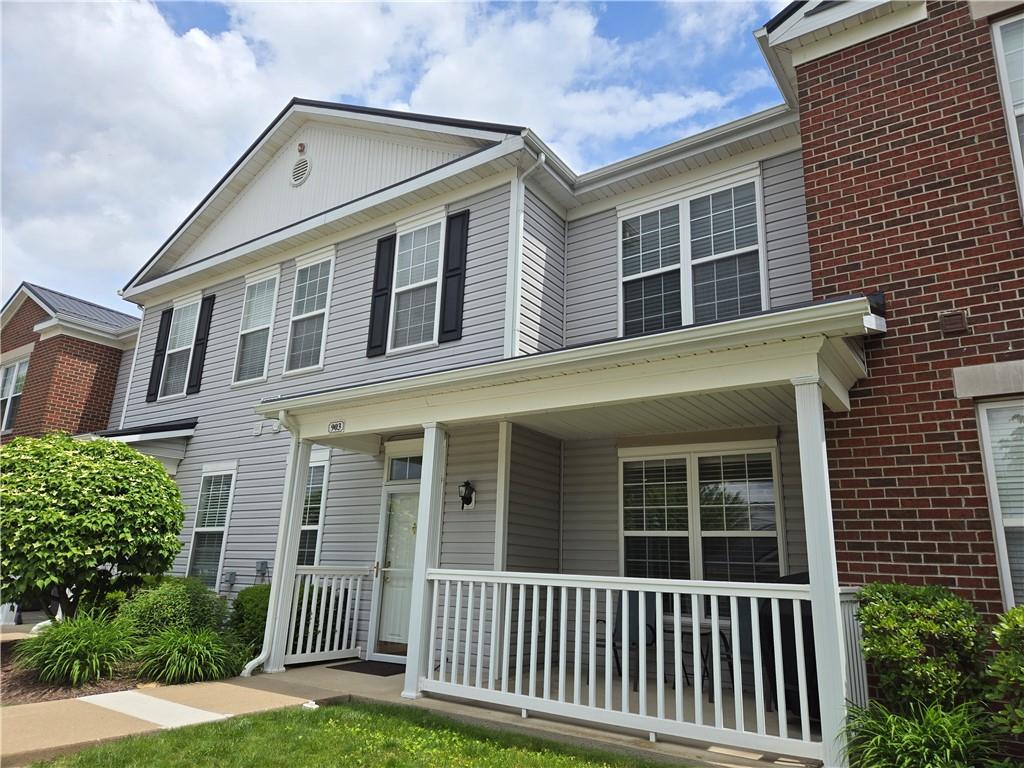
[345, 163]
[19, 321]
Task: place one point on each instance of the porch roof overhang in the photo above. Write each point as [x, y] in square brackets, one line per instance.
[763, 351]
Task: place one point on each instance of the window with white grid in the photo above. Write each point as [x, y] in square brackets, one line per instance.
[312, 513]
[255, 329]
[178, 356]
[213, 511]
[1008, 36]
[309, 315]
[1002, 443]
[12, 382]
[416, 287]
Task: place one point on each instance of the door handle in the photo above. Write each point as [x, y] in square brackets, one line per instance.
[376, 569]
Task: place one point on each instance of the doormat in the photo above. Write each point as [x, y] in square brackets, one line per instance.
[378, 668]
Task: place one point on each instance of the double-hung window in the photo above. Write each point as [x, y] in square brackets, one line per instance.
[213, 513]
[690, 514]
[698, 260]
[313, 513]
[256, 327]
[416, 287]
[12, 381]
[1008, 36]
[309, 314]
[180, 341]
[1002, 439]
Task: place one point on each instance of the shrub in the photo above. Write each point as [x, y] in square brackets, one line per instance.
[249, 615]
[82, 516]
[1006, 671]
[924, 642]
[926, 736]
[76, 651]
[185, 656]
[174, 603]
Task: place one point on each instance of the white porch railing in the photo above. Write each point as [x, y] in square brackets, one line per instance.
[566, 645]
[325, 610]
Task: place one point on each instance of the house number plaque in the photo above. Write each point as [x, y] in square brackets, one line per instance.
[336, 426]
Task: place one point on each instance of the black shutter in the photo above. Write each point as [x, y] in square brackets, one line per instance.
[195, 371]
[380, 303]
[157, 369]
[453, 278]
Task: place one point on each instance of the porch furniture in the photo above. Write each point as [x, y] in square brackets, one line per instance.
[650, 608]
[787, 636]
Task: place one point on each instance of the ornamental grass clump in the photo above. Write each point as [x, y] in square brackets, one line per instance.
[76, 651]
[187, 656]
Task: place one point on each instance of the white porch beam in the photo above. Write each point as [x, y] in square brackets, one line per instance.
[821, 566]
[428, 529]
[282, 584]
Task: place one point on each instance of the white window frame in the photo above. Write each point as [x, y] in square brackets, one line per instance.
[409, 229]
[694, 533]
[1009, 110]
[274, 273]
[180, 304]
[214, 470]
[308, 261]
[324, 462]
[13, 365]
[686, 264]
[998, 523]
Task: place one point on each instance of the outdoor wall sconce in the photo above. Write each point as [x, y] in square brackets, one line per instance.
[467, 495]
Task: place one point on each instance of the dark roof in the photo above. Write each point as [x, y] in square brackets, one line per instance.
[149, 429]
[69, 306]
[337, 107]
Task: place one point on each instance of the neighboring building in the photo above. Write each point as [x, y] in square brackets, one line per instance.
[467, 406]
[59, 362]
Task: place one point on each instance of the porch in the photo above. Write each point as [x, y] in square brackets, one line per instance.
[636, 535]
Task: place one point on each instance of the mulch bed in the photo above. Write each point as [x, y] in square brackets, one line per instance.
[18, 686]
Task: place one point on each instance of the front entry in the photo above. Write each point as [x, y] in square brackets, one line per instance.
[392, 586]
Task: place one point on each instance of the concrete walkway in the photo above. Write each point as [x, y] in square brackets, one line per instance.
[28, 731]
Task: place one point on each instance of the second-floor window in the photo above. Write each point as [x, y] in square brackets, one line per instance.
[309, 315]
[696, 261]
[179, 349]
[1009, 42]
[416, 287]
[254, 332]
[12, 381]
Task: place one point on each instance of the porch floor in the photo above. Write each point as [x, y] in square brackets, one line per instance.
[324, 685]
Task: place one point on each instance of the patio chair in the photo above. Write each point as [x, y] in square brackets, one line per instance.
[790, 681]
[635, 629]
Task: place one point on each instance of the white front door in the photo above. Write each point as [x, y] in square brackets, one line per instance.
[392, 587]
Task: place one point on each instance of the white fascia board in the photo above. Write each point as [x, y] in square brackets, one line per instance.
[896, 18]
[803, 23]
[15, 302]
[836, 319]
[60, 325]
[150, 437]
[509, 146]
[782, 71]
[397, 122]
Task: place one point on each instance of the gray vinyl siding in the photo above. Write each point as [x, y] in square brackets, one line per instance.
[124, 370]
[467, 535]
[590, 524]
[227, 424]
[533, 504]
[543, 277]
[785, 225]
[592, 279]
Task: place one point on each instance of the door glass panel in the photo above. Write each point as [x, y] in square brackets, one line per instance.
[396, 573]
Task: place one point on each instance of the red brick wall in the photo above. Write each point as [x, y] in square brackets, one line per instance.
[910, 191]
[69, 387]
[18, 331]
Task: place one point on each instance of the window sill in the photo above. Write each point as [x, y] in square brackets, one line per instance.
[248, 382]
[411, 348]
[171, 398]
[301, 371]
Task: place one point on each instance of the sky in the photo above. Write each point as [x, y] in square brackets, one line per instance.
[117, 118]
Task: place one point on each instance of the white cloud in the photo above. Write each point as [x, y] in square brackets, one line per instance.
[114, 126]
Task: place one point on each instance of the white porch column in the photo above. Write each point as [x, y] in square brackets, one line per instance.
[821, 566]
[428, 528]
[287, 552]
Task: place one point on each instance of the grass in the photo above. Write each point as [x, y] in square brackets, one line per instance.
[352, 735]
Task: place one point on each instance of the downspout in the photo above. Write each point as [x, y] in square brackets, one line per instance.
[281, 549]
[515, 282]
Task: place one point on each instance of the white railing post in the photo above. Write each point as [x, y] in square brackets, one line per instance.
[283, 579]
[821, 566]
[428, 523]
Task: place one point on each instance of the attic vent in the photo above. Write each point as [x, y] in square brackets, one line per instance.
[300, 171]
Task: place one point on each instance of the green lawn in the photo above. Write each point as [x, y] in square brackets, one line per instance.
[350, 735]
